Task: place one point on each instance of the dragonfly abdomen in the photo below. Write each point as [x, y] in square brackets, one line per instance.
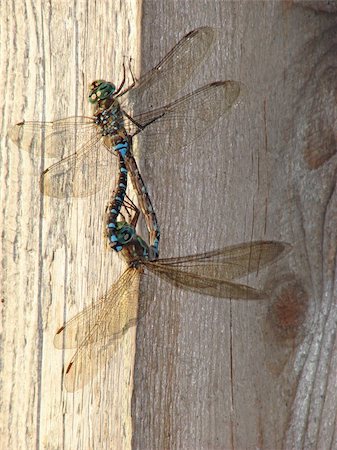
[144, 203]
[118, 197]
[111, 124]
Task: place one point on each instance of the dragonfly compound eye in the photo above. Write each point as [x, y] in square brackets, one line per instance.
[125, 234]
[101, 90]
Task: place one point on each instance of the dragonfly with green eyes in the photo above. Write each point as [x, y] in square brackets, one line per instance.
[88, 146]
[96, 330]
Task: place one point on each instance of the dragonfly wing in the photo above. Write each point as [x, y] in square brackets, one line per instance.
[96, 329]
[203, 284]
[159, 85]
[57, 139]
[193, 115]
[107, 318]
[76, 329]
[86, 364]
[81, 174]
[230, 262]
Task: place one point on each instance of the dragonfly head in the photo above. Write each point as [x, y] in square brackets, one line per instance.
[134, 247]
[101, 90]
[124, 233]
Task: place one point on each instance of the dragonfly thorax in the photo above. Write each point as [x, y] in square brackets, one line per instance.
[110, 121]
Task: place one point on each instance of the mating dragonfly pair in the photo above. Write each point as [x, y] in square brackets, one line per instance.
[93, 144]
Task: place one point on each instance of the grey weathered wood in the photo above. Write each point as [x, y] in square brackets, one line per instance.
[216, 374]
[327, 6]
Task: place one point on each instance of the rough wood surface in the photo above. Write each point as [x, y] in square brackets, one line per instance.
[54, 259]
[216, 374]
[209, 374]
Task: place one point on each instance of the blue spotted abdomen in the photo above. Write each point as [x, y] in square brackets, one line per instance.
[118, 197]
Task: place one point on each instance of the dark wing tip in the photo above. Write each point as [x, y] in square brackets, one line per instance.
[286, 248]
[69, 367]
[232, 89]
[59, 330]
[199, 30]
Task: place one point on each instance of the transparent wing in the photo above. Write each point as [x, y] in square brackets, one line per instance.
[109, 318]
[86, 364]
[82, 173]
[204, 284]
[189, 117]
[228, 263]
[95, 330]
[57, 139]
[158, 86]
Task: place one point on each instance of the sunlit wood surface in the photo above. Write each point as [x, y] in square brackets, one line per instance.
[54, 259]
[209, 373]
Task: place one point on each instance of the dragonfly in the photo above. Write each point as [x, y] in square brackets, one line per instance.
[118, 199]
[96, 330]
[148, 107]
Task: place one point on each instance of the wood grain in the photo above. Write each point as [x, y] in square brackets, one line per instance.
[216, 374]
[209, 374]
[54, 258]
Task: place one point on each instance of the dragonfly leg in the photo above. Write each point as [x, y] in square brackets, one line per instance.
[135, 218]
[120, 87]
[141, 127]
[134, 81]
[129, 205]
[138, 125]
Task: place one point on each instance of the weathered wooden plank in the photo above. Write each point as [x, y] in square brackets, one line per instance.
[54, 260]
[216, 374]
[209, 374]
